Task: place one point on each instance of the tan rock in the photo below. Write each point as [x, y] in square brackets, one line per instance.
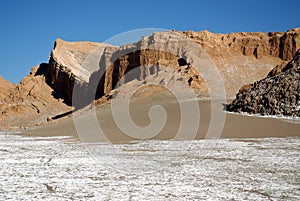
[66, 65]
[30, 103]
[244, 58]
[240, 58]
[5, 88]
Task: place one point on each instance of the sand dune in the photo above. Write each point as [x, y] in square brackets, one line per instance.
[235, 125]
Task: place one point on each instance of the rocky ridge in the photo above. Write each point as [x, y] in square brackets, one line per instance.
[244, 58]
[67, 65]
[104, 66]
[277, 94]
[46, 93]
[241, 58]
[258, 44]
[31, 102]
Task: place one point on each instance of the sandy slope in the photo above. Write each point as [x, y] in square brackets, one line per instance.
[235, 125]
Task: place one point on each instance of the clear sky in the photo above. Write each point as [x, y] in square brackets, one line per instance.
[29, 28]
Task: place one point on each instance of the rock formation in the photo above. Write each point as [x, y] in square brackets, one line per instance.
[5, 88]
[241, 58]
[276, 44]
[66, 65]
[79, 65]
[277, 94]
[94, 69]
[244, 58]
[151, 56]
[31, 102]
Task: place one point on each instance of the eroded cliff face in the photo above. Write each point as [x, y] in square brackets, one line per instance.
[151, 56]
[67, 65]
[241, 58]
[277, 94]
[244, 58]
[276, 44]
[96, 69]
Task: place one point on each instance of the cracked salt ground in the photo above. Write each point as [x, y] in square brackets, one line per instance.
[226, 169]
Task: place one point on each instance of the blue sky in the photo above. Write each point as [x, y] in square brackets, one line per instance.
[29, 28]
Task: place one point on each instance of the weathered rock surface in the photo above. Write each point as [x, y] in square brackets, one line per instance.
[67, 65]
[241, 58]
[276, 44]
[95, 69]
[244, 58]
[277, 94]
[151, 56]
[30, 103]
[5, 88]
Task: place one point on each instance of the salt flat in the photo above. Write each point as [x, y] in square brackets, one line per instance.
[62, 168]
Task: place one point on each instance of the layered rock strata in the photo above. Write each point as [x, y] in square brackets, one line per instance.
[94, 70]
[241, 58]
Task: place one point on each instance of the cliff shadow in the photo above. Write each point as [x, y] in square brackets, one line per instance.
[43, 70]
[58, 95]
[62, 115]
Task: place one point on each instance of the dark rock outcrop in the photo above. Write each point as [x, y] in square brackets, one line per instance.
[277, 94]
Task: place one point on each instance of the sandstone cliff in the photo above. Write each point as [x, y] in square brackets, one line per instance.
[96, 69]
[276, 44]
[277, 94]
[241, 58]
[152, 56]
[66, 65]
[78, 65]
[244, 58]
